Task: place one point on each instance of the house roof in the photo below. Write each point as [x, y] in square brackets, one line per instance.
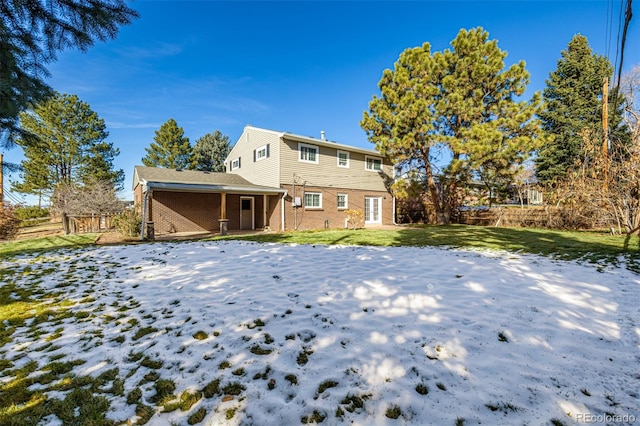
[320, 142]
[324, 142]
[195, 181]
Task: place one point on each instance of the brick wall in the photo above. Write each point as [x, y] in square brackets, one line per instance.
[185, 211]
[312, 218]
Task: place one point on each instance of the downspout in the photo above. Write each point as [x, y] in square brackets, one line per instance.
[282, 202]
[145, 190]
[394, 211]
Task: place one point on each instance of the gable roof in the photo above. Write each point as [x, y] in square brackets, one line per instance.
[195, 181]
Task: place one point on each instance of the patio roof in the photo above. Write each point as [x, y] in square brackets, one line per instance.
[156, 178]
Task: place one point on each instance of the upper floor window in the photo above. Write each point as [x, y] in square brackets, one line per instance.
[373, 164]
[235, 164]
[343, 159]
[261, 153]
[313, 200]
[307, 153]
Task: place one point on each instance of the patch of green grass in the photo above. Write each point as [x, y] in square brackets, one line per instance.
[393, 412]
[502, 406]
[224, 365]
[238, 372]
[256, 323]
[141, 332]
[315, 417]
[44, 244]
[184, 402]
[150, 363]
[441, 386]
[212, 389]
[303, 356]
[354, 403]
[291, 378]
[164, 391]
[568, 245]
[197, 417]
[422, 389]
[144, 412]
[233, 388]
[502, 337]
[230, 412]
[259, 350]
[200, 335]
[134, 396]
[459, 421]
[327, 384]
[557, 422]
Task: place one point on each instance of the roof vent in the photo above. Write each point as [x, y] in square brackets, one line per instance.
[322, 136]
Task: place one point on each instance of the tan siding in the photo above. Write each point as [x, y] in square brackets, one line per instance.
[326, 172]
[263, 172]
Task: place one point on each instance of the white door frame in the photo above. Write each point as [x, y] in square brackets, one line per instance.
[372, 201]
[253, 219]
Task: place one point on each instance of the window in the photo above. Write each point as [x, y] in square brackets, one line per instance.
[343, 201]
[235, 164]
[343, 159]
[261, 153]
[313, 200]
[373, 164]
[308, 153]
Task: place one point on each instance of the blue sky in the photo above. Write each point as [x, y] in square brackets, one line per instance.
[297, 66]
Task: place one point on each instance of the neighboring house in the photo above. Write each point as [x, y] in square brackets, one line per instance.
[274, 180]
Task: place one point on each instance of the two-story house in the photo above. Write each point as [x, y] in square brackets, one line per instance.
[274, 180]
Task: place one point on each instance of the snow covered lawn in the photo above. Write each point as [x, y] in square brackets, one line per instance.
[264, 334]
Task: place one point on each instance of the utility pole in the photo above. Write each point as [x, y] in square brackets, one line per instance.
[605, 128]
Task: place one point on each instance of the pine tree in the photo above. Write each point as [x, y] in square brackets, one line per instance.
[69, 146]
[31, 33]
[171, 149]
[573, 110]
[210, 151]
[458, 104]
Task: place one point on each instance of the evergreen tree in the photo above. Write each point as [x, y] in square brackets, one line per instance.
[458, 104]
[171, 149]
[68, 146]
[573, 110]
[31, 33]
[210, 151]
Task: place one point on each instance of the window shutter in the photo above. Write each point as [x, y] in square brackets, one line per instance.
[238, 162]
[254, 155]
[268, 150]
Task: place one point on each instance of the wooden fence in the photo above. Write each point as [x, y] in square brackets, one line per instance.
[80, 224]
[534, 217]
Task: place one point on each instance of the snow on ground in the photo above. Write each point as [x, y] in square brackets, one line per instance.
[491, 338]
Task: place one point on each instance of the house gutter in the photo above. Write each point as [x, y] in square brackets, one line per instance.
[394, 211]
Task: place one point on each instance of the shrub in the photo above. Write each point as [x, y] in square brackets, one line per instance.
[129, 222]
[31, 212]
[355, 218]
[9, 222]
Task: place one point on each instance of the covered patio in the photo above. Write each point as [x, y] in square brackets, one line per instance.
[174, 202]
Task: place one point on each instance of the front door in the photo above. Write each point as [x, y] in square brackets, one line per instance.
[372, 210]
[246, 213]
